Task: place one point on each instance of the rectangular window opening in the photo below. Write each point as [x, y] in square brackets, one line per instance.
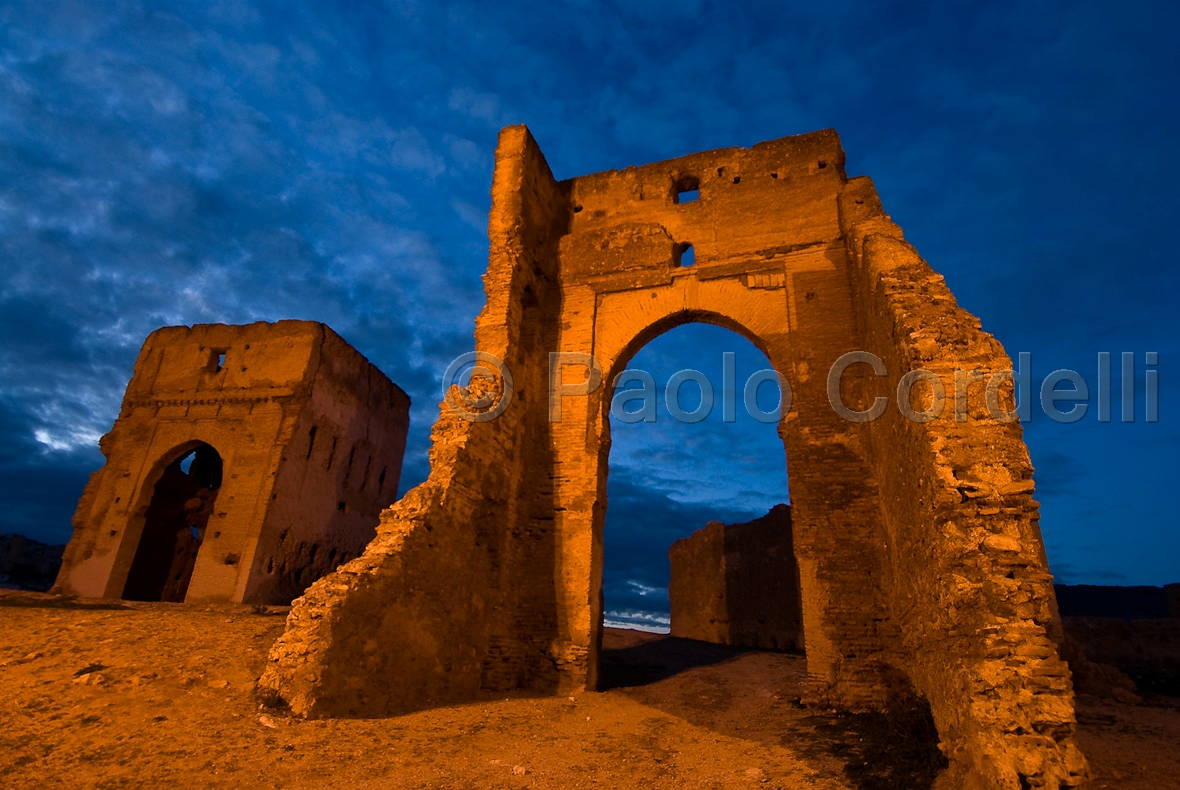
[217, 359]
[685, 255]
[687, 189]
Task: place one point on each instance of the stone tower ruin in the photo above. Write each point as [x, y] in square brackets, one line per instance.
[738, 584]
[921, 566]
[246, 462]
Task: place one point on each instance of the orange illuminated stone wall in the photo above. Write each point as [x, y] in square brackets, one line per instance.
[310, 438]
[921, 569]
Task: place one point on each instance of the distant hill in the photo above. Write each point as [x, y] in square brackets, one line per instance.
[1126, 603]
[27, 564]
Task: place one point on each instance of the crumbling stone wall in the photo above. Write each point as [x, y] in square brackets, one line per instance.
[921, 570]
[738, 584]
[972, 596]
[438, 607]
[307, 437]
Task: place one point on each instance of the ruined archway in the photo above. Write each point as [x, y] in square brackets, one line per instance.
[836, 516]
[919, 551]
[661, 329]
[691, 443]
[174, 522]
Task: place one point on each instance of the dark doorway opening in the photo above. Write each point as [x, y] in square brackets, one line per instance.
[174, 527]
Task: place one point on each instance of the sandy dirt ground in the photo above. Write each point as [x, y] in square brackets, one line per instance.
[118, 694]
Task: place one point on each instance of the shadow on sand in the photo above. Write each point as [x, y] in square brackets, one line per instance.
[655, 660]
[755, 695]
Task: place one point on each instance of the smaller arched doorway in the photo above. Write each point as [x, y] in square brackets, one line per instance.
[174, 526]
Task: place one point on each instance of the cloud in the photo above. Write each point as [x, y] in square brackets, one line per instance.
[641, 524]
[169, 163]
[480, 106]
[1057, 474]
[471, 215]
[739, 465]
[412, 152]
[49, 476]
[188, 176]
[1070, 573]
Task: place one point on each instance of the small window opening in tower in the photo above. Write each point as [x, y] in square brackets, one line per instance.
[688, 189]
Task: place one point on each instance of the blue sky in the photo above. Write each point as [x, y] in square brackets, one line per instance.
[166, 163]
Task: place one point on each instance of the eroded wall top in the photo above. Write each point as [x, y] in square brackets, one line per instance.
[735, 206]
[188, 362]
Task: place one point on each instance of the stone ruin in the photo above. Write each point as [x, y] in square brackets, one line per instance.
[738, 584]
[246, 462]
[921, 566]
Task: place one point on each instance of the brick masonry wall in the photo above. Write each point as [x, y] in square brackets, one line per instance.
[738, 584]
[330, 488]
[971, 591]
